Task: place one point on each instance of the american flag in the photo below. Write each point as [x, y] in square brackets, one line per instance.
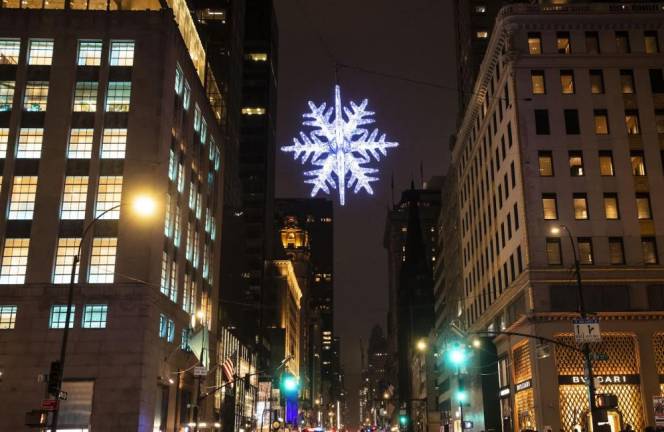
[228, 369]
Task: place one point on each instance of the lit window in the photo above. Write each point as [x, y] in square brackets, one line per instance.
[89, 53]
[553, 251]
[9, 51]
[29, 143]
[256, 57]
[659, 121]
[601, 119]
[109, 196]
[113, 144]
[197, 249]
[563, 44]
[643, 211]
[64, 256]
[627, 81]
[632, 122]
[173, 282]
[585, 246]
[580, 202]
[7, 95]
[253, 111]
[184, 341]
[186, 98]
[189, 252]
[40, 52]
[480, 9]
[74, 198]
[7, 317]
[649, 248]
[637, 162]
[549, 206]
[192, 195]
[181, 179]
[85, 96]
[197, 118]
[14, 261]
[650, 41]
[58, 318]
[596, 82]
[178, 80]
[165, 272]
[534, 43]
[538, 85]
[168, 221]
[616, 251]
[22, 199]
[122, 53]
[606, 163]
[118, 97]
[545, 164]
[482, 34]
[94, 316]
[567, 81]
[611, 206]
[80, 144]
[177, 232]
[102, 260]
[166, 328]
[203, 131]
[36, 94]
[4, 141]
[576, 163]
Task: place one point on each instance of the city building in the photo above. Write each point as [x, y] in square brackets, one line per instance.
[375, 389]
[102, 102]
[559, 158]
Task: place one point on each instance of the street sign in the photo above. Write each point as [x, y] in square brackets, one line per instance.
[200, 371]
[587, 330]
[49, 404]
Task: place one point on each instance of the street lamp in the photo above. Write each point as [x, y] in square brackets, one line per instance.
[421, 345]
[585, 348]
[144, 206]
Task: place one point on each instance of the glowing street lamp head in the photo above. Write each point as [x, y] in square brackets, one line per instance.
[144, 206]
[555, 230]
[421, 345]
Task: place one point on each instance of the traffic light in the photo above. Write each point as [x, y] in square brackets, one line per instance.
[461, 395]
[54, 379]
[289, 385]
[457, 355]
[403, 420]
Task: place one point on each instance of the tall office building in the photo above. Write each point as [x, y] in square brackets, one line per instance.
[100, 102]
[559, 155]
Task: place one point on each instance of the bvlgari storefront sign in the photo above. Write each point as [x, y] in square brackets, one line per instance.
[600, 379]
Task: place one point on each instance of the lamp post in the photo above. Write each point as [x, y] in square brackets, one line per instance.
[585, 348]
[144, 206]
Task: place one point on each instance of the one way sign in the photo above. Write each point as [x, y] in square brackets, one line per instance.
[587, 330]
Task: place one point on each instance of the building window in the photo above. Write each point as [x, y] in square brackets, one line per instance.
[649, 248]
[85, 96]
[563, 44]
[113, 143]
[253, 111]
[166, 328]
[40, 52]
[36, 95]
[622, 42]
[650, 41]
[109, 196]
[580, 201]
[656, 80]
[89, 53]
[29, 143]
[58, 318]
[64, 256]
[8, 317]
[74, 198]
[122, 53]
[585, 246]
[637, 162]
[118, 97]
[542, 122]
[572, 126]
[567, 81]
[606, 163]
[537, 82]
[545, 163]
[553, 251]
[659, 121]
[186, 97]
[616, 251]
[611, 210]
[596, 82]
[627, 81]
[4, 141]
[550, 206]
[14, 261]
[643, 211]
[9, 51]
[80, 144]
[102, 260]
[481, 34]
[178, 80]
[592, 42]
[535, 43]
[262, 57]
[22, 199]
[7, 95]
[94, 316]
[197, 118]
[632, 122]
[576, 163]
[601, 119]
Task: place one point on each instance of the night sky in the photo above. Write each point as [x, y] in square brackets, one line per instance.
[413, 39]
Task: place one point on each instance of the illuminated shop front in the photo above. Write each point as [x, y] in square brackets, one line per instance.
[617, 374]
[524, 399]
[658, 348]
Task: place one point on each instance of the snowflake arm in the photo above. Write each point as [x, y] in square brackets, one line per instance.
[360, 176]
[309, 146]
[322, 176]
[372, 145]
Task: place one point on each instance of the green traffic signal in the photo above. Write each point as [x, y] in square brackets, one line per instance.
[289, 384]
[461, 396]
[403, 420]
[457, 355]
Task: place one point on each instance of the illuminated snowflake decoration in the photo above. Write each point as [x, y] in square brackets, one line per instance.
[339, 147]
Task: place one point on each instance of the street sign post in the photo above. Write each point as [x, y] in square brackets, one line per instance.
[587, 330]
[200, 371]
